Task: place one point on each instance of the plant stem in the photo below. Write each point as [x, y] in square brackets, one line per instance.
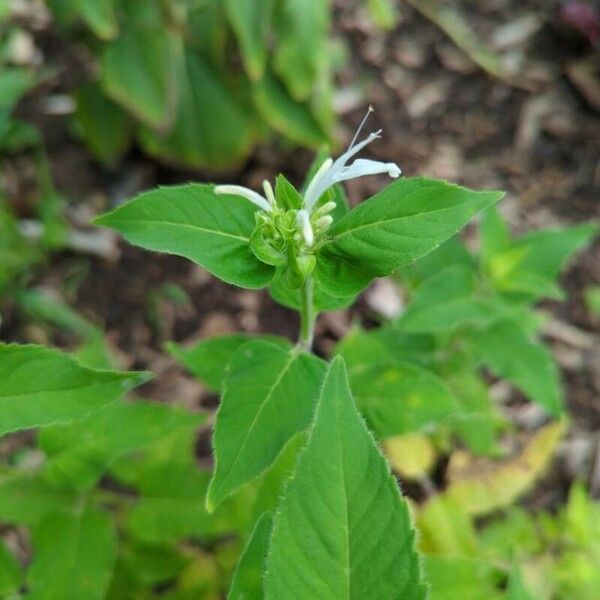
[307, 315]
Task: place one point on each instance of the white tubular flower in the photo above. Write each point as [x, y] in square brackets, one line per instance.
[244, 192]
[303, 221]
[332, 172]
[269, 194]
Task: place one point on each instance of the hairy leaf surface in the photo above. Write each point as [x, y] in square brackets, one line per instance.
[406, 220]
[342, 529]
[247, 581]
[269, 396]
[192, 221]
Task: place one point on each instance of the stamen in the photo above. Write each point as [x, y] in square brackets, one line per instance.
[268, 188]
[362, 124]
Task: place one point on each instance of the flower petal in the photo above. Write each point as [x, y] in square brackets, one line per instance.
[303, 221]
[365, 166]
[244, 192]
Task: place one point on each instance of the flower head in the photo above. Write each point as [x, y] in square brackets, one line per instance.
[289, 226]
[328, 174]
[332, 172]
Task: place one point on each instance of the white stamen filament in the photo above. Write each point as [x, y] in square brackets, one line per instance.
[303, 221]
[269, 194]
[362, 124]
[244, 192]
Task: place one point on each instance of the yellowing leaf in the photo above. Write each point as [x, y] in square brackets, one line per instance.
[411, 455]
[481, 485]
[445, 528]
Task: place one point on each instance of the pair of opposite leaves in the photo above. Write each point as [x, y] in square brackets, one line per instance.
[399, 224]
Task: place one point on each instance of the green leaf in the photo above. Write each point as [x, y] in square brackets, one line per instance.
[342, 530]
[104, 125]
[16, 253]
[526, 363]
[364, 349]
[11, 575]
[250, 20]
[383, 12]
[40, 386]
[516, 586]
[14, 83]
[81, 452]
[547, 251]
[247, 583]
[476, 421]
[451, 253]
[101, 17]
[401, 223]
[287, 195]
[152, 565]
[291, 297]
[452, 577]
[493, 233]
[208, 360]
[268, 397]
[170, 506]
[290, 117]
[139, 72]
[41, 305]
[25, 499]
[445, 301]
[592, 299]
[192, 221]
[445, 527]
[212, 127]
[400, 397]
[73, 556]
[301, 52]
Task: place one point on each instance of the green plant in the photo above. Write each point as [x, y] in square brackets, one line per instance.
[228, 71]
[469, 313]
[300, 497]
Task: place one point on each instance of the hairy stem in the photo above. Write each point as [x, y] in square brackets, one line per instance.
[307, 315]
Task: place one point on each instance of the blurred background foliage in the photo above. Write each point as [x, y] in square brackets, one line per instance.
[495, 94]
